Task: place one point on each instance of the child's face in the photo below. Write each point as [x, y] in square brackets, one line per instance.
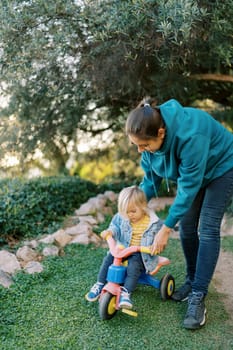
[134, 213]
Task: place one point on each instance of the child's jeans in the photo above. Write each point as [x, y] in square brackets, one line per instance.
[134, 269]
[200, 231]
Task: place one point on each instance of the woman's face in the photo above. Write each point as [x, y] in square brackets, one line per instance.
[151, 145]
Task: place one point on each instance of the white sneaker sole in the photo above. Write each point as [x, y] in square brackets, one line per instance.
[125, 306]
[204, 318]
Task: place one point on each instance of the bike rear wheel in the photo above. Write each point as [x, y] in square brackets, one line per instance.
[167, 286]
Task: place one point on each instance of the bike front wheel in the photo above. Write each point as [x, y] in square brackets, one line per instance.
[107, 306]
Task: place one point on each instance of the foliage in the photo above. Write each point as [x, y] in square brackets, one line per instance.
[104, 225]
[227, 243]
[116, 185]
[32, 207]
[119, 163]
[29, 207]
[67, 321]
[225, 117]
[96, 170]
[81, 65]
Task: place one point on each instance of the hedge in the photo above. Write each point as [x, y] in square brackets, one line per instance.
[29, 207]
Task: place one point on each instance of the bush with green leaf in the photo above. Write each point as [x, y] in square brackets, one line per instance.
[30, 207]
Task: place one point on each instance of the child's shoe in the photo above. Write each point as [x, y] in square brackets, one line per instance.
[94, 292]
[125, 301]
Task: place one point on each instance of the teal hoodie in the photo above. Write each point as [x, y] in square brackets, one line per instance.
[196, 150]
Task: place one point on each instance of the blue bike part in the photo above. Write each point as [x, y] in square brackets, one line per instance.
[116, 274]
[149, 280]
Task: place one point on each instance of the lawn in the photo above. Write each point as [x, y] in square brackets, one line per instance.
[227, 244]
[48, 311]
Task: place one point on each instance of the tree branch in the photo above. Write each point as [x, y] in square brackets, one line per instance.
[98, 131]
[214, 77]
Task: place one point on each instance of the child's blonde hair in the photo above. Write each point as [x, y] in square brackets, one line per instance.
[134, 195]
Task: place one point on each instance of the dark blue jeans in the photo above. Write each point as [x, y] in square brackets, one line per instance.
[134, 269]
[200, 231]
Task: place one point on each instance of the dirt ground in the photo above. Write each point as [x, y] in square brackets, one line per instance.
[223, 276]
[223, 280]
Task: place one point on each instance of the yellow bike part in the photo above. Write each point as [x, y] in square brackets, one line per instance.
[130, 312]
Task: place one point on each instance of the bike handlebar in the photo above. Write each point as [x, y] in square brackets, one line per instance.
[119, 252]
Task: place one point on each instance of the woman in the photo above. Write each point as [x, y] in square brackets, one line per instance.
[188, 146]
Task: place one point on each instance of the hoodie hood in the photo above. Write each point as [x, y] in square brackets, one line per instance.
[171, 111]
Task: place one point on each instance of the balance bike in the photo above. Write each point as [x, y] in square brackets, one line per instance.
[110, 294]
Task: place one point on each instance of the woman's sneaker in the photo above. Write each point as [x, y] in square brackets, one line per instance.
[195, 316]
[94, 292]
[125, 301]
[183, 292]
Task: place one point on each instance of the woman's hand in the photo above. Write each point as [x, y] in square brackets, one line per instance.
[160, 240]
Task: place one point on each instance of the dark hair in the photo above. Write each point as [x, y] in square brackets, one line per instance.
[144, 121]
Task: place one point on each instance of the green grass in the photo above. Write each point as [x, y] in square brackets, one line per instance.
[48, 311]
[227, 244]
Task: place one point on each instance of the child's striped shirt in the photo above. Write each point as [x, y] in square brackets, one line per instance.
[138, 229]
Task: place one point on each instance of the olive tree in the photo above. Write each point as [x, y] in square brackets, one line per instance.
[72, 65]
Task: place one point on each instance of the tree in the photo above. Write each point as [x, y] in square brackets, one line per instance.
[72, 65]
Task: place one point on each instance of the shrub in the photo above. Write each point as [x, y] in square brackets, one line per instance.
[29, 207]
[117, 185]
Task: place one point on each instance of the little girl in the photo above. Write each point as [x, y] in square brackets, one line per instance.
[134, 224]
